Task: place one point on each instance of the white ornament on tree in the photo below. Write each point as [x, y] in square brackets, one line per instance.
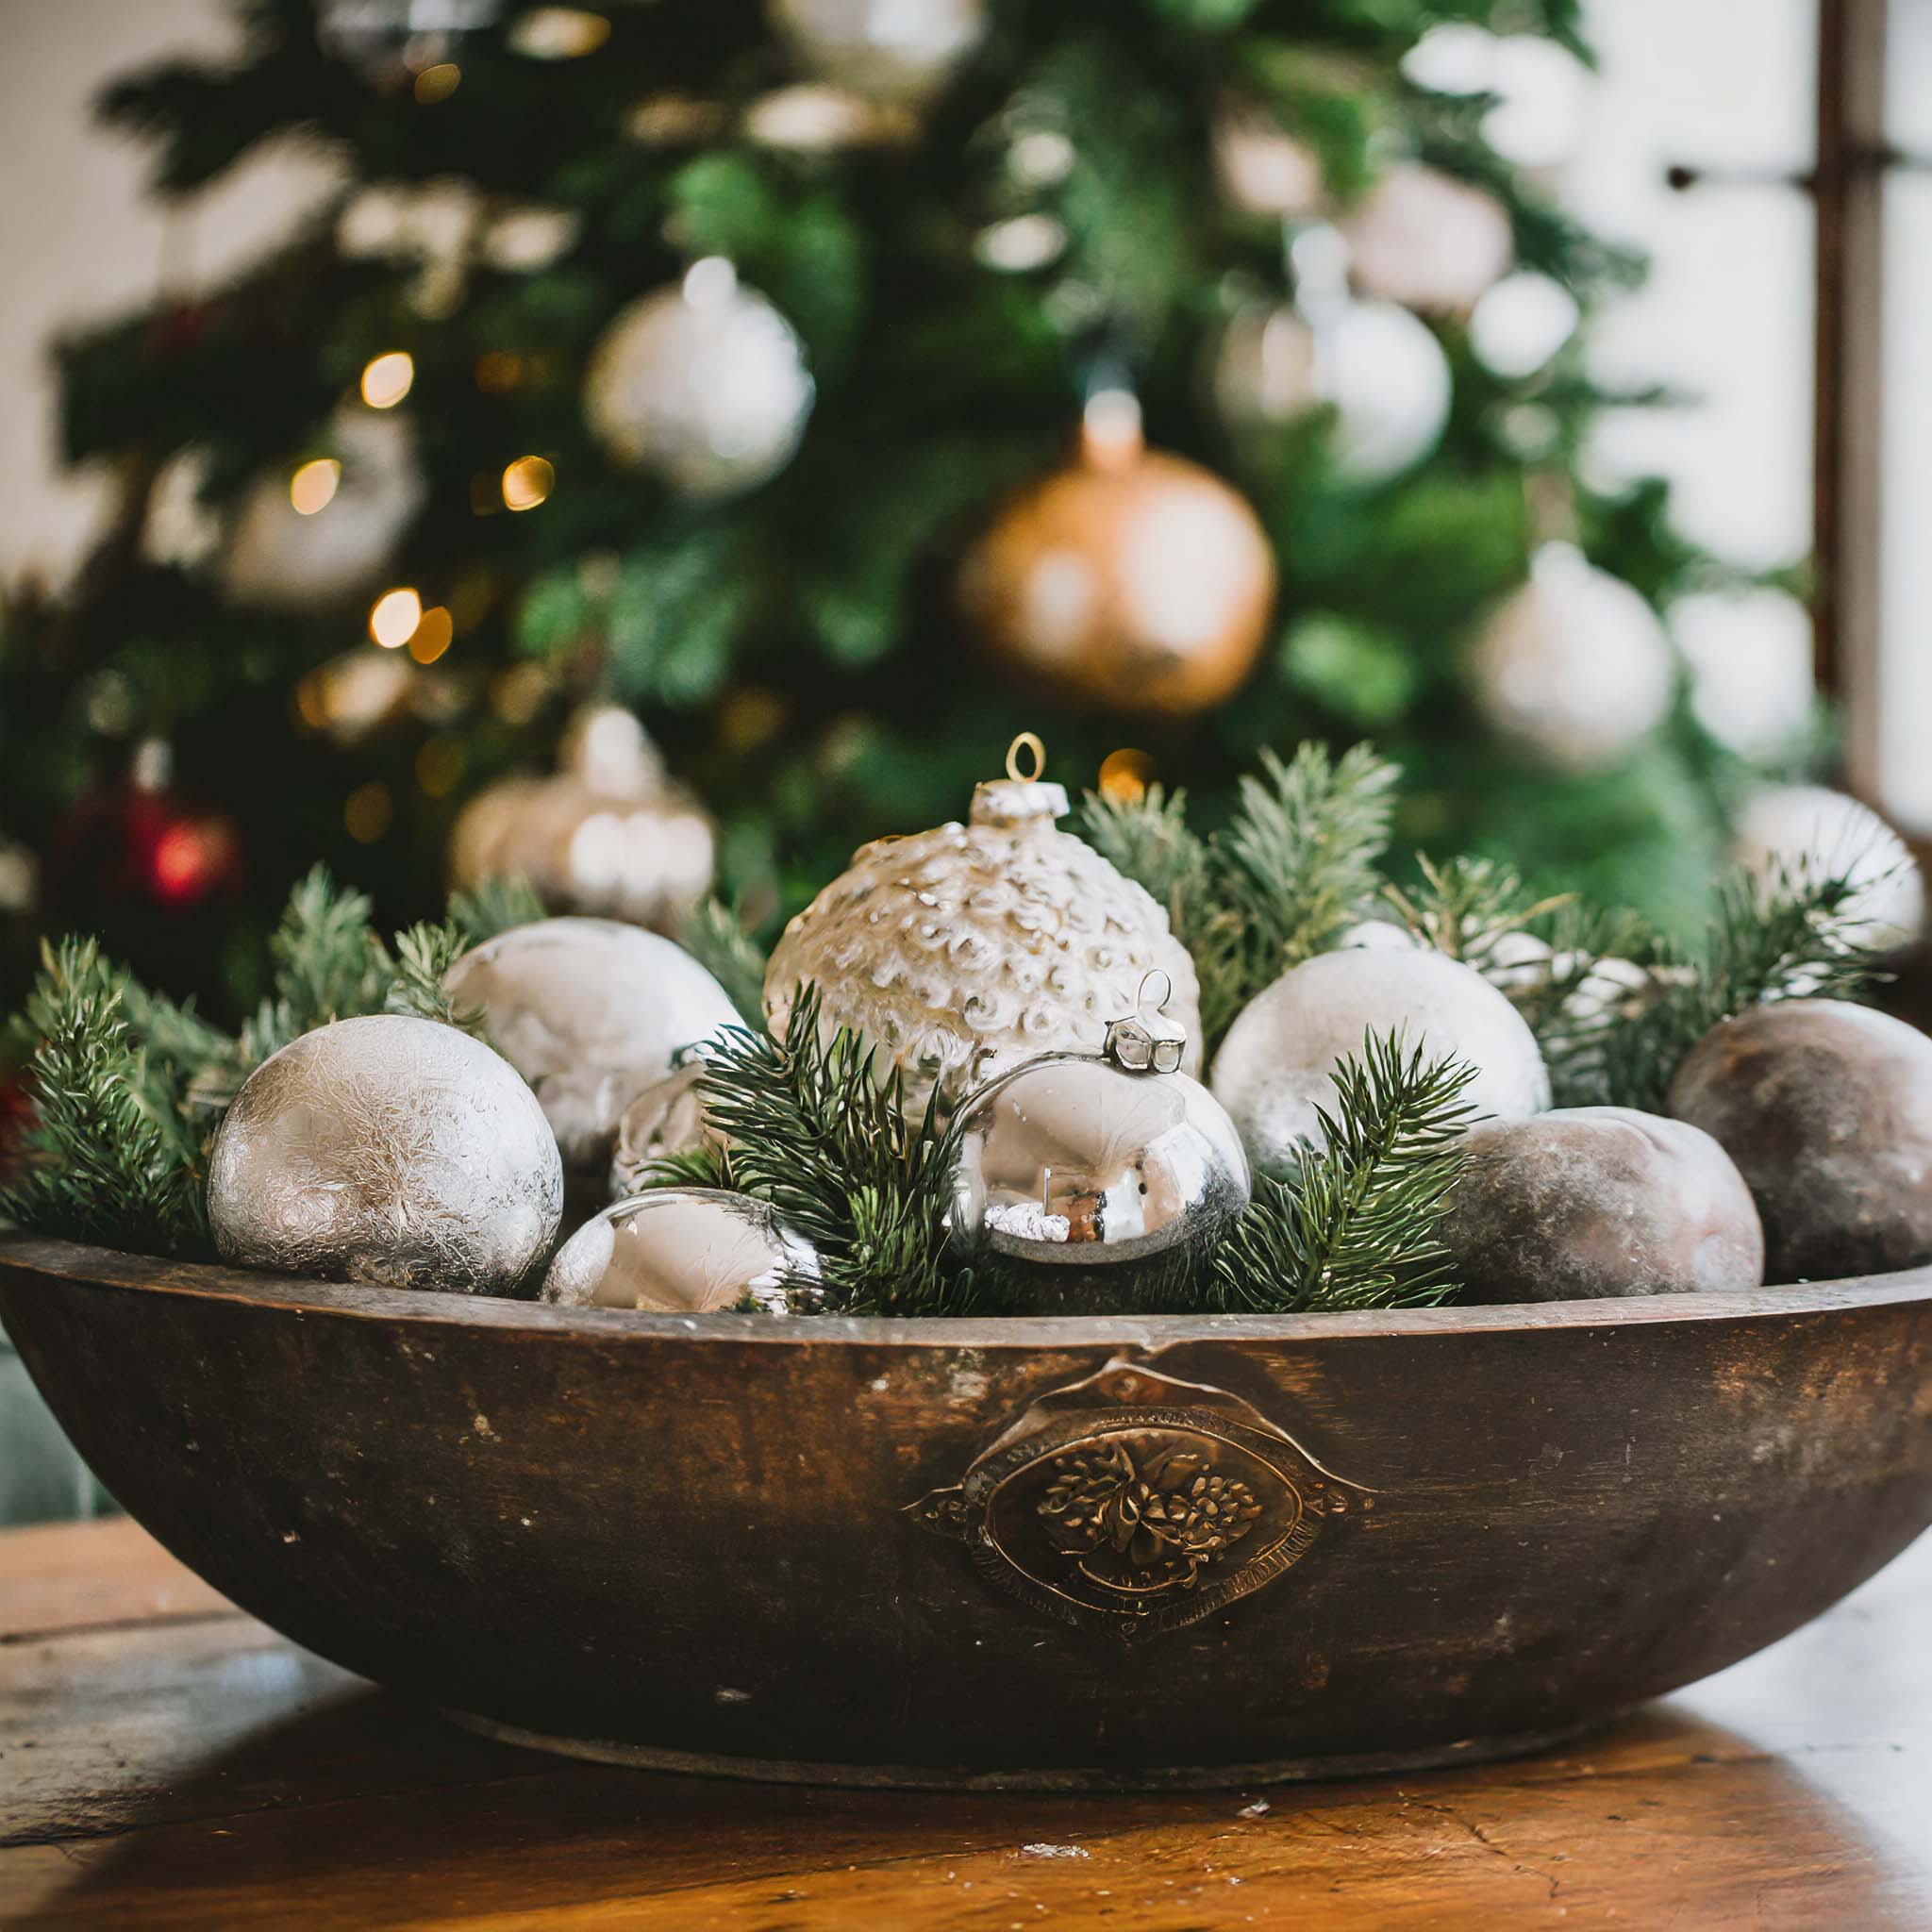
[1813, 830]
[1262, 169]
[1277, 1063]
[704, 383]
[887, 50]
[1428, 242]
[1573, 666]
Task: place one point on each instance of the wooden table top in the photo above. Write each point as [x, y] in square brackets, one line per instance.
[167, 1761]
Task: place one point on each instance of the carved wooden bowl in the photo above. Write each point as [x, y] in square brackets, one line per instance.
[1075, 1552]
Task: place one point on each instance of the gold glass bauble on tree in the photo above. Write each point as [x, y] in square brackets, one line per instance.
[610, 834]
[1132, 579]
[963, 951]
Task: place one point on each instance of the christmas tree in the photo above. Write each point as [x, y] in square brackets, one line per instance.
[687, 356]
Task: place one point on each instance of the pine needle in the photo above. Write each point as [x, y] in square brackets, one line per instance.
[812, 1132]
[715, 937]
[494, 906]
[423, 956]
[1465, 906]
[1356, 1224]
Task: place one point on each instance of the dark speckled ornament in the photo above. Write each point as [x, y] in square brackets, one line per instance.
[1826, 1107]
[1599, 1201]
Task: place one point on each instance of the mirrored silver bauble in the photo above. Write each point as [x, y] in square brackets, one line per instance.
[704, 383]
[1095, 1184]
[591, 1013]
[387, 1150]
[685, 1251]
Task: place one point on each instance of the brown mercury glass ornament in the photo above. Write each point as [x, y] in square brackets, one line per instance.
[1131, 579]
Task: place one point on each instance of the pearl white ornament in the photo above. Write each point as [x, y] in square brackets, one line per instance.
[1277, 1063]
[388, 1150]
[1750, 654]
[1428, 242]
[962, 951]
[591, 1013]
[1575, 666]
[1375, 365]
[704, 383]
[889, 50]
[1521, 322]
[279, 558]
[1813, 829]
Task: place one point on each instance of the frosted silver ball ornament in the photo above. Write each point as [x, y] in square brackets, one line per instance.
[1095, 1183]
[591, 1013]
[685, 1251]
[961, 951]
[387, 1150]
[704, 383]
[1276, 1065]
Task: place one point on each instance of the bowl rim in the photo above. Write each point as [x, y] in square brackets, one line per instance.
[81, 1264]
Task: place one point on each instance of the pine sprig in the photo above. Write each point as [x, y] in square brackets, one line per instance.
[1356, 1224]
[1802, 933]
[423, 956]
[111, 1157]
[810, 1130]
[494, 906]
[715, 937]
[1467, 907]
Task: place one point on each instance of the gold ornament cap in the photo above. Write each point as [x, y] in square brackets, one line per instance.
[1146, 1041]
[1021, 796]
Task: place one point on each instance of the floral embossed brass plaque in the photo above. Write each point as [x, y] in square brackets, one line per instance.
[1135, 1502]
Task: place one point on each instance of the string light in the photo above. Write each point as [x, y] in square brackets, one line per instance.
[386, 380]
[431, 637]
[393, 620]
[368, 811]
[1124, 776]
[313, 486]
[438, 83]
[526, 483]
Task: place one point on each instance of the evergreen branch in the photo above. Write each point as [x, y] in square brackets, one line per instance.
[423, 956]
[1466, 906]
[683, 1167]
[1355, 1224]
[812, 1131]
[106, 1163]
[494, 906]
[1800, 934]
[329, 965]
[715, 937]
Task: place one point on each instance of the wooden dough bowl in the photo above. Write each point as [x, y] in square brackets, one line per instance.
[1055, 1553]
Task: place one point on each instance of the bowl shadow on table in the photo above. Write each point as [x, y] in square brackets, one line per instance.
[365, 1811]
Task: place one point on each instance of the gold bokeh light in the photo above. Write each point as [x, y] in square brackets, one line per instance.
[1124, 776]
[313, 486]
[431, 637]
[526, 482]
[393, 618]
[387, 379]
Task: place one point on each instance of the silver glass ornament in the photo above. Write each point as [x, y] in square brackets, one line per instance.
[685, 1251]
[1095, 1183]
[388, 1150]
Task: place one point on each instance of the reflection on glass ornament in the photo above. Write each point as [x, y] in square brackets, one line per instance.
[1814, 832]
[1131, 578]
[611, 833]
[1750, 655]
[1262, 169]
[1379, 367]
[1428, 242]
[1521, 322]
[686, 1251]
[704, 383]
[889, 50]
[1089, 1182]
[278, 558]
[1575, 666]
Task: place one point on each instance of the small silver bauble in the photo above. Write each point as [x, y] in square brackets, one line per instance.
[1573, 666]
[591, 1013]
[1276, 1066]
[704, 383]
[960, 951]
[887, 50]
[1091, 1184]
[388, 1150]
[685, 1251]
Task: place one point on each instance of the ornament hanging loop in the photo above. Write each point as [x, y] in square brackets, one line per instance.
[1147, 979]
[1028, 744]
[1146, 1040]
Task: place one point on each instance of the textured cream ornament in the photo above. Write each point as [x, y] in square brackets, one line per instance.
[963, 951]
[1131, 578]
[610, 834]
[703, 383]
[1813, 830]
[1277, 1063]
[591, 1013]
[279, 558]
[1428, 242]
[887, 50]
[388, 1150]
[1375, 365]
[1575, 666]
